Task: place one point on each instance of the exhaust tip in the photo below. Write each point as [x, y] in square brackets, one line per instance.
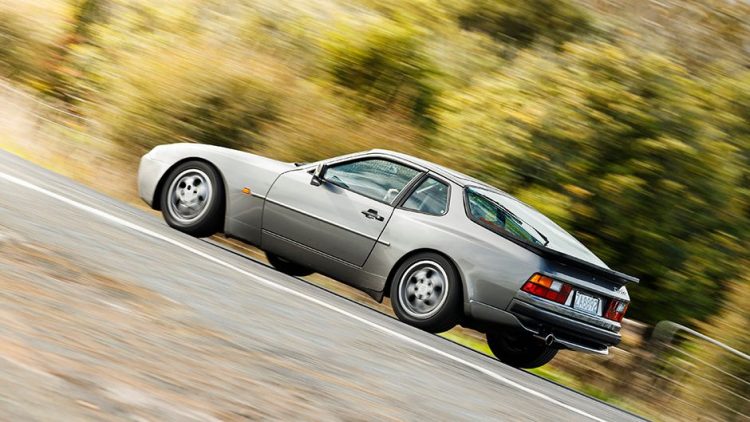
[549, 340]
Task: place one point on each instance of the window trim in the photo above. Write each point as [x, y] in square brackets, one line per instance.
[413, 187]
[399, 197]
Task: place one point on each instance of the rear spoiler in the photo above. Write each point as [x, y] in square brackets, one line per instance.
[616, 277]
[611, 275]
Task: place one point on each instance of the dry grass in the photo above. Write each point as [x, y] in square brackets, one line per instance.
[65, 148]
[49, 18]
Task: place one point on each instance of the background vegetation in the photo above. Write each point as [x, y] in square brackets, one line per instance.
[628, 122]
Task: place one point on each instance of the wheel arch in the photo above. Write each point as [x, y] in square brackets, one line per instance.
[156, 201]
[397, 265]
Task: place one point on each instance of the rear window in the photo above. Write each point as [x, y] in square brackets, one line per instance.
[494, 216]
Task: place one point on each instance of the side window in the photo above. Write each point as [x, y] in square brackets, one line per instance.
[430, 197]
[374, 178]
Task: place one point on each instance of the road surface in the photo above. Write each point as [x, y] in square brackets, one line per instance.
[107, 313]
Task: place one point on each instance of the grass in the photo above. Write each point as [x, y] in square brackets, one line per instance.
[463, 338]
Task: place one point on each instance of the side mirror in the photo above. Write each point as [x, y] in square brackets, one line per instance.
[318, 174]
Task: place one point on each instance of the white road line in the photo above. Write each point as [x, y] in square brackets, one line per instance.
[117, 220]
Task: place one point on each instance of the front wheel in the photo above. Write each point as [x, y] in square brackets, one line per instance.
[426, 293]
[519, 349]
[192, 199]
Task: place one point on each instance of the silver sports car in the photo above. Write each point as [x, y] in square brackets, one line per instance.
[447, 249]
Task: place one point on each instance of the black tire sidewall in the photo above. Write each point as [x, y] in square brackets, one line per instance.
[535, 354]
[210, 222]
[288, 267]
[449, 314]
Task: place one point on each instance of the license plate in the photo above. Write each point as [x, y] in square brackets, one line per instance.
[586, 303]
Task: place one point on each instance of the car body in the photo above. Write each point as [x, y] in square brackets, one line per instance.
[307, 215]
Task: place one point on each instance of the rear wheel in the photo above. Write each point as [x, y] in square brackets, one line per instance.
[426, 293]
[192, 199]
[288, 267]
[519, 349]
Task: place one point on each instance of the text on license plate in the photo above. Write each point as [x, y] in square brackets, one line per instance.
[586, 303]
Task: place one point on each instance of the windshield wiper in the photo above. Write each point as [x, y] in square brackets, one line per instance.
[546, 241]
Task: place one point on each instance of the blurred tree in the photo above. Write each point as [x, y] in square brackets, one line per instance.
[87, 14]
[69, 71]
[385, 65]
[25, 51]
[523, 22]
[697, 33]
[631, 141]
[14, 42]
[730, 100]
[163, 97]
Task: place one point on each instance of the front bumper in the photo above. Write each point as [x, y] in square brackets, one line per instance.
[150, 172]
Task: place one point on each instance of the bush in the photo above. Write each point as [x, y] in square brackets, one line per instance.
[18, 50]
[172, 98]
[523, 22]
[385, 66]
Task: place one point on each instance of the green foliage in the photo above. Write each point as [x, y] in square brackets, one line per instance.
[88, 13]
[168, 98]
[730, 100]
[695, 33]
[12, 40]
[628, 137]
[20, 53]
[385, 65]
[523, 22]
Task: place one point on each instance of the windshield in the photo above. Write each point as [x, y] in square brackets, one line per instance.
[493, 215]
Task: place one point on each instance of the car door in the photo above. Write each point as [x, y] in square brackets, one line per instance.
[344, 216]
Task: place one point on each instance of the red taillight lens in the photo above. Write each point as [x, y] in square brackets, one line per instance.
[543, 286]
[616, 310]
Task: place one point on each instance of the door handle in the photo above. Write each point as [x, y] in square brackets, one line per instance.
[372, 214]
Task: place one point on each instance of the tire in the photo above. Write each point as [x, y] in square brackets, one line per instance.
[426, 293]
[519, 349]
[288, 267]
[192, 199]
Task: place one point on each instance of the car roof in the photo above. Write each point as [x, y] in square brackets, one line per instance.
[557, 235]
[455, 176]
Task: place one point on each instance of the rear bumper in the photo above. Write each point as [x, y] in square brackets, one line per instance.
[566, 329]
[541, 317]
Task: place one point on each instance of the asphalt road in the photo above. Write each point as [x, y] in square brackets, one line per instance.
[107, 313]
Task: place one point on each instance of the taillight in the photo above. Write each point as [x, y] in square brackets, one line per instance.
[616, 310]
[543, 286]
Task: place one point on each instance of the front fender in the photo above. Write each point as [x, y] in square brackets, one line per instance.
[238, 170]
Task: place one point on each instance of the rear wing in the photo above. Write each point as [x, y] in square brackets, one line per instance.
[613, 276]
